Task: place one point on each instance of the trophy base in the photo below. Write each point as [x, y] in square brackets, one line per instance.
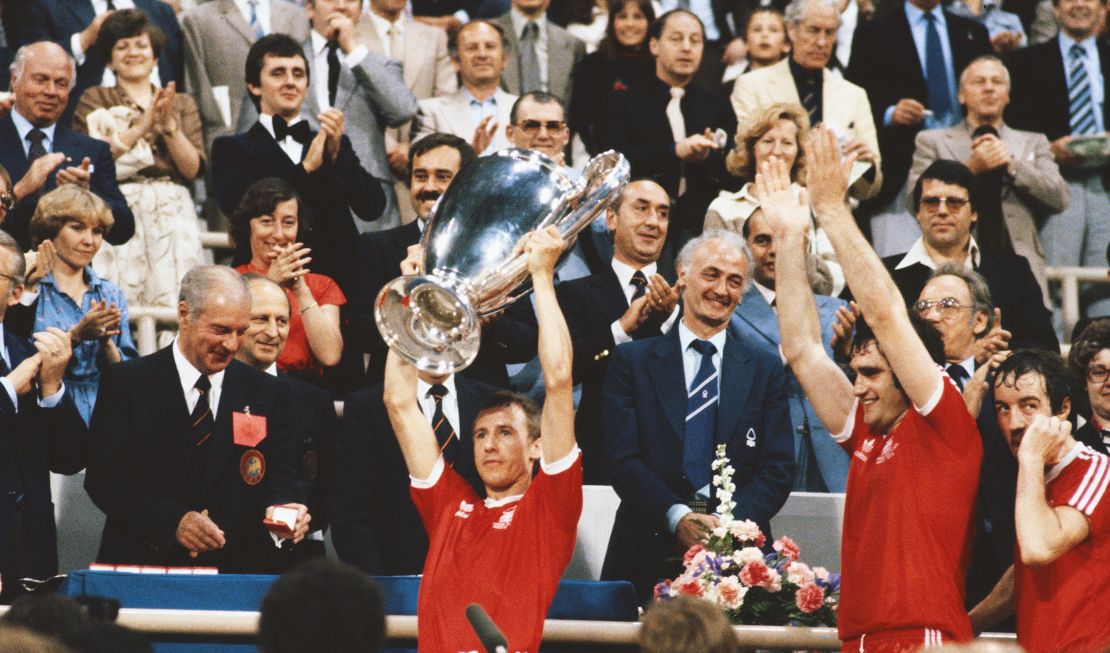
[430, 322]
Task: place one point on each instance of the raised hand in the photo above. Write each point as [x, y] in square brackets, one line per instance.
[783, 212]
[826, 172]
[40, 263]
[483, 134]
[55, 351]
[79, 175]
[543, 247]
[1044, 440]
[289, 264]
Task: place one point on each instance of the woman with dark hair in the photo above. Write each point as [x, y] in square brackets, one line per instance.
[155, 136]
[268, 223]
[622, 60]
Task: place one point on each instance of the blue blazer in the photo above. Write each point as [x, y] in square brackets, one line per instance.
[644, 401]
[755, 319]
[77, 147]
[34, 441]
[59, 20]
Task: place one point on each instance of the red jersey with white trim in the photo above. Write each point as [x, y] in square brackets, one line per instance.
[908, 519]
[506, 556]
[1061, 606]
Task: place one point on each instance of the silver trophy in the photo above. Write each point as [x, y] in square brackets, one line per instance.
[474, 264]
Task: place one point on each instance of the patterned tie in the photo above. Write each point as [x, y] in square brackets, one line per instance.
[1081, 108]
[701, 418]
[678, 127]
[809, 99]
[333, 71]
[36, 137]
[201, 417]
[256, 25]
[958, 374]
[445, 433]
[640, 282]
[529, 60]
[396, 46]
[936, 72]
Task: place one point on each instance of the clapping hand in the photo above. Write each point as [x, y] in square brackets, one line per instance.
[289, 264]
[101, 321]
[331, 125]
[40, 263]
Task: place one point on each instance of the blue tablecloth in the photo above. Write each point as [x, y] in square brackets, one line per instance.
[596, 601]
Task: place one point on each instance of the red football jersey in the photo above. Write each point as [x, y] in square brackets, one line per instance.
[1061, 606]
[908, 520]
[506, 556]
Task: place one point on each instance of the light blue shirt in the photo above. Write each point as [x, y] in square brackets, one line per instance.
[691, 361]
[24, 127]
[480, 109]
[1094, 72]
[918, 23]
[703, 9]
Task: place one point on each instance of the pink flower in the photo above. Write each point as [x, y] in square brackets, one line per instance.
[691, 553]
[730, 593]
[755, 574]
[809, 598]
[799, 573]
[746, 555]
[690, 587]
[787, 547]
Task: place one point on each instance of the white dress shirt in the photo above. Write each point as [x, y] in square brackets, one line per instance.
[188, 375]
[519, 22]
[918, 254]
[450, 402]
[320, 72]
[292, 149]
[624, 276]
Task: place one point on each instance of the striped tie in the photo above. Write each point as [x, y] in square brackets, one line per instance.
[201, 417]
[256, 25]
[445, 433]
[640, 282]
[701, 418]
[1080, 106]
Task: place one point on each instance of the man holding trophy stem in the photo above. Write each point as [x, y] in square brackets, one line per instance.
[523, 534]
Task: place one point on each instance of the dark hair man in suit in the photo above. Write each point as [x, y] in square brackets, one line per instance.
[40, 153]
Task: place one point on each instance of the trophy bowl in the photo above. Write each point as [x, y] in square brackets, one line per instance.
[474, 264]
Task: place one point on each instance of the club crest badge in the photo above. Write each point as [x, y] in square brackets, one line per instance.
[252, 467]
[750, 438]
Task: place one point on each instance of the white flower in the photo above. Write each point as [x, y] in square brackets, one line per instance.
[745, 531]
[730, 593]
[720, 531]
[799, 573]
[746, 555]
[821, 574]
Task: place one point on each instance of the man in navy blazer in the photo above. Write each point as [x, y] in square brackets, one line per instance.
[41, 81]
[322, 165]
[659, 447]
[820, 465]
[36, 437]
[75, 24]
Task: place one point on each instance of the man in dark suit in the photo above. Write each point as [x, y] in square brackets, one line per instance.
[314, 455]
[666, 127]
[375, 524]
[75, 24]
[669, 401]
[36, 436]
[40, 154]
[631, 299]
[322, 165]
[944, 201]
[909, 61]
[191, 449]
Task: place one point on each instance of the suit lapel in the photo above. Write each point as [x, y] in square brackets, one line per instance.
[959, 142]
[221, 448]
[736, 385]
[755, 310]
[9, 142]
[235, 20]
[911, 58]
[311, 106]
[557, 62]
[608, 295]
[510, 77]
[669, 380]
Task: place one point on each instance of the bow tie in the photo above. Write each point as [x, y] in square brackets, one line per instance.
[300, 131]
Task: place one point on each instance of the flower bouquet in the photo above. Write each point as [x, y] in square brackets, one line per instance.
[752, 587]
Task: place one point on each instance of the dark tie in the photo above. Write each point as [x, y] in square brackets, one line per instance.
[445, 433]
[4, 369]
[36, 137]
[809, 98]
[201, 417]
[333, 71]
[111, 5]
[701, 418]
[640, 282]
[958, 374]
[299, 131]
[936, 71]
[1081, 108]
[529, 60]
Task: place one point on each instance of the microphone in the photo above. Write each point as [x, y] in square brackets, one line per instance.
[488, 632]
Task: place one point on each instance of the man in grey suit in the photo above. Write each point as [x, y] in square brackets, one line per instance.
[1014, 168]
[368, 88]
[479, 111]
[820, 465]
[427, 70]
[217, 37]
[542, 56]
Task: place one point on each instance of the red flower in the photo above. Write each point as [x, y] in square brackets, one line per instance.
[787, 547]
[809, 597]
[691, 588]
[691, 552]
[619, 86]
[755, 573]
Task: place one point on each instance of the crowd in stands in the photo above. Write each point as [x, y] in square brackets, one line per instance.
[817, 186]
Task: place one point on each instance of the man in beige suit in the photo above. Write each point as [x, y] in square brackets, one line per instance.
[217, 36]
[479, 111]
[556, 52]
[1032, 187]
[827, 97]
[427, 69]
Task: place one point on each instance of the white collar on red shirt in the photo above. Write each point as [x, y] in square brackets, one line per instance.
[1052, 472]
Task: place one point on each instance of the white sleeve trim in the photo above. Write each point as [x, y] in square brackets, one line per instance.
[433, 478]
[849, 424]
[561, 465]
[933, 400]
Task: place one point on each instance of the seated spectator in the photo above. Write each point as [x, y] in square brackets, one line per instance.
[41, 154]
[828, 99]
[324, 606]
[267, 223]
[156, 140]
[779, 130]
[1004, 27]
[686, 625]
[479, 111]
[1089, 363]
[68, 227]
[622, 59]
[1020, 185]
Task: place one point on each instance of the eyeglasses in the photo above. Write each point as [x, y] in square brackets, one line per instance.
[932, 204]
[533, 126]
[945, 306]
[1097, 373]
[7, 201]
